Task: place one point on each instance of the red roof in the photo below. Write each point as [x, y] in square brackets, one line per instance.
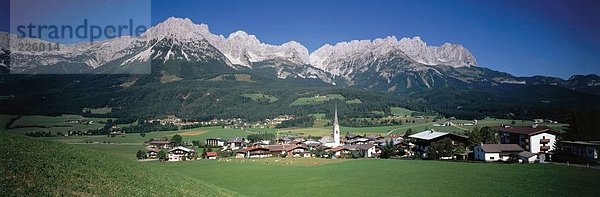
[211, 154]
[526, 130]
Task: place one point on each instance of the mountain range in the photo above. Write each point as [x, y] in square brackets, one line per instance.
[177, 55]
[385, 64]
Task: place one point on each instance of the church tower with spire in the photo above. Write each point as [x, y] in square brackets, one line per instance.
[336, 129]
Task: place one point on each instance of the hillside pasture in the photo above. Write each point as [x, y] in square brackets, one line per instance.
[316, 99]
[34, 167]
[400, 111]
[63, 123]
[260, 97]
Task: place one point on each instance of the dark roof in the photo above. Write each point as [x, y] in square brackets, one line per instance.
[497, 148]
[526, 130]
[526, 154]
[244, 150]
[589, 143]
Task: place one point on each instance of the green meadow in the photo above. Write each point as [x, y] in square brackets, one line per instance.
[317, 99]
[36, 167]
[261, 97]
[399, 111]
[376, 177]
[102, 165]
[326, 177]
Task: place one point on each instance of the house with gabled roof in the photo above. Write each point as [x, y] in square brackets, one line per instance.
[211, 155]
[422, 141]
[236, 143]
[253, 152]
[496, 152]
[535, 139]
[181, 153]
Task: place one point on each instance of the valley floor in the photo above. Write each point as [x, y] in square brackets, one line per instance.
[377, 177]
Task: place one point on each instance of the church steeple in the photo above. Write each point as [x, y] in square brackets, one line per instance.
[335, 119]
[336, 128]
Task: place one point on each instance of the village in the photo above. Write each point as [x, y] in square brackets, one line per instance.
[504, 143]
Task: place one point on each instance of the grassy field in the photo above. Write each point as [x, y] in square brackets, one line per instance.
[261, 97]
[399, 111]
[374, 177]
[33, 167]
[38, 167]
[103, 110]
[317, 177]
[354, 101]
[26, 124]
[214, 132]
[318, 116]
[316, 99]
[4, 119]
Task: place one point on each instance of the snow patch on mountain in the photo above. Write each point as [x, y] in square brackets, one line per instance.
[328, 56]
[239, 47]
[448, 54]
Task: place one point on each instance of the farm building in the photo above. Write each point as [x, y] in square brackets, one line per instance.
[527, 157]
[535, 139]
[422, 141]
[215, 142]
[211, 155]
[496, 152]
[586, 149]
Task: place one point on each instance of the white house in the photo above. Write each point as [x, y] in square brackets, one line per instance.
[368, 150]
[495, 152]
[535, 139]
[180, 153]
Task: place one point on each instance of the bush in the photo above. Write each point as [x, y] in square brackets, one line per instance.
[141, 154]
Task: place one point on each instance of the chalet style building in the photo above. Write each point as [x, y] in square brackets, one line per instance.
[181, 153]
[152, 153]
[422, 141]
[253, 152]
[535, 139]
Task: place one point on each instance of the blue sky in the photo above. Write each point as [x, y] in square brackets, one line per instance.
[524, 38]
